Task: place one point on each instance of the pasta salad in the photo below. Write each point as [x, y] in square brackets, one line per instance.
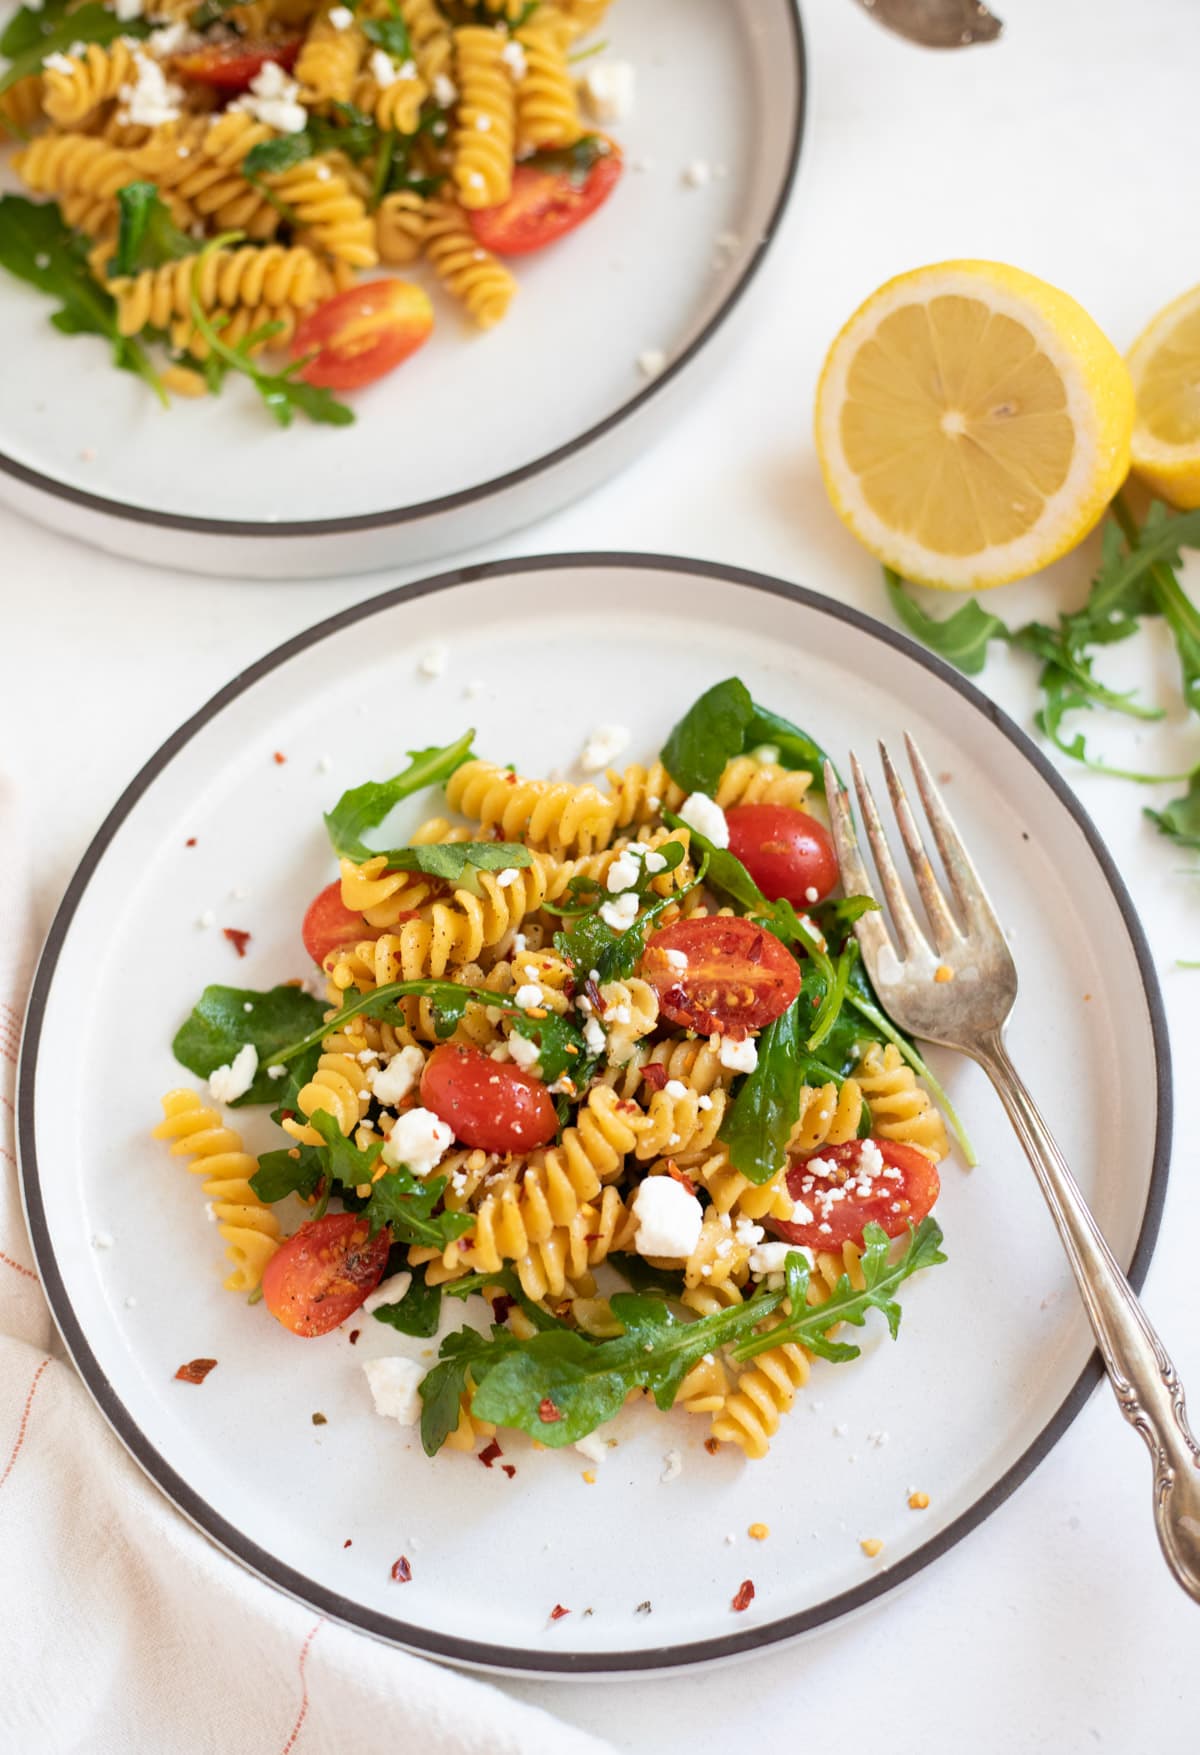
[602, 1055]
[214, 178]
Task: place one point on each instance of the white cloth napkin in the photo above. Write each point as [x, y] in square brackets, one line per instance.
[123, 1631]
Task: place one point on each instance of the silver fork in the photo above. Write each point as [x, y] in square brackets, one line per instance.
[956, 985]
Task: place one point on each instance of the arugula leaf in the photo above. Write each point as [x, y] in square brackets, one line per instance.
[298, 1171]
[1062, 695]
[962, 639]
[37, 246]
[398, 1198]
[593, 944]
[809, 1325]
[644, 1277]
[1179, 820]
[389, 34]
[449, 860]
[91, 23]
[506, 1278]
[147, 236]
[220, 1025]
[835, 996]
[270, 157]
[441, 1389]
[761, 1117]
[29, 25]
[711, 731]
[364, 807]
[796, 749]
[418, 1312]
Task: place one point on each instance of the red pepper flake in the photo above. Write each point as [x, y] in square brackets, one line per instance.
[195, 1371]
[352, 1337]
[589, 1237]
[501, 1305]
[712, 1445]
[347, 1542]
[680, 1176]
[568, 987]
[237, 938]
[402, 1571]
[509, 1470]
[592, 994]
[557, 1612]
[190, 842]
[489, 1453]
[280, 758]
[548, 1412]
[744, 1597]
[654, 1076]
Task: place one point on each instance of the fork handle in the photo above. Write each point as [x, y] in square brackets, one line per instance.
[1144, 1380]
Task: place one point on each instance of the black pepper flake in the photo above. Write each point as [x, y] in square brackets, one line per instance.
[588, 1612]
[319, 1420]
[644, 1608]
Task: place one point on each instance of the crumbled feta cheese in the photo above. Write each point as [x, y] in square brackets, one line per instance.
[208, 918]
[608, 90]
[704, 1102]
[170, 38]
[655, 862]
[769, 1258]
[393, 1082]
[605, 742]
[697, 174]
[651, 362]
[127, 9]
[445, 92]
[383, 69]
[341, 17]
[513, 56]
[230, 1082]
[389, 1291]
[620, 913]
[418, 1139]
[708, 819]
[60, 63]
[103, 1240]
[619, 1014]
[483, 124]
[745, 1232]
[623, 873]
[434, 661]
[508, 876]
[524, 1052]
[594, 1037]
[472, 690]
[519, 942]
[273, 99]
[737, 1056]
[593, 1447]
[668, 1218]
[812, 894]
[151, 100]
[529, 995]
[393, 1381]
[677, 959]
[278, 1071]
[674, 1468]
[676, 1090]
[870, 1159]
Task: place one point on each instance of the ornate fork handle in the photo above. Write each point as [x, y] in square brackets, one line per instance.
[1147, 1389]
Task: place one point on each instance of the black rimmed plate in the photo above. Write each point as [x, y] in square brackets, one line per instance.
[994, 1357]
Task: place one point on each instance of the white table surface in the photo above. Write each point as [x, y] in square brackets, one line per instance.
[1066, 149]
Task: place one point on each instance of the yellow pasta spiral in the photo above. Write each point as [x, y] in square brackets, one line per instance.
[583, 16]
[641, 793]
[747, 781]
[380, 895]
[20, 106]
[547, 111]
[329, 60]
[469, 273]
[630, 1012]
[247, 278]
[720, 1257]
[704, 1389]
[900, 1108]
[332, 216]
[680, 1125]
[429, 33]
[486, 118]
[469, 1431]
[198, 162]
[553, 815]
[75, 164]
[339, 1087]
[829, 1116]
[400, 228]
[89, 79]
[395, 102]
[765, 1392]
[250, 1228]
[731, 1192]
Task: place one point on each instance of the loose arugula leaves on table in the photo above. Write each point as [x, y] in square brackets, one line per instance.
[38, 246]
[220, 1025]
[365, 807]
[1180, 819]
[418, 1312]
[808, 1325]
[725, 722]
[962, 638]
[147, 236]
[26, 41]
[397, 1199]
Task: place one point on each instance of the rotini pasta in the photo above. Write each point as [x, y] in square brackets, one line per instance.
[547, 111]
[250, 1229]
[471, 274]
[484, 136]
[78, 84]
[330, 58]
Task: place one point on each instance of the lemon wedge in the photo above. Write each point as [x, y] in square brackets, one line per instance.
[972, 423]
[1164, 363]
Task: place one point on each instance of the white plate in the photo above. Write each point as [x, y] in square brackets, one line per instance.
[994, 1357]
[478, 433]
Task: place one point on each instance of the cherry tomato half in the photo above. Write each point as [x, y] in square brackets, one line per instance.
[787, 852]
[232, 66]
[737, 976]
[551, 195]
[362, 333]
[899, 1195]
[329, 924]
[489, 1104]
[323, 1272]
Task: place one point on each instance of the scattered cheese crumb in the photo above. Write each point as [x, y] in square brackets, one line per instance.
[273, 99]
[668, 1218]
[389, 1291]
[278, 1071]
[697, 174]
[677, 959]
[524, 1052]
[228, 1083]
[674, 1468]
[151, 100]
[507, 877]
[676, 1090]
[623, 873]
[445, 92]
[418, 1139]
[529, 995]
[103, 1240]
[208, 918]
[593, 1447]
[60, 63]
[769, 1258]
[434, 662]
[391, 1083]
[651, 362]
[606, 742]
[393, 1382]
[513, 56]
[620, 913]
[594, 1037]
[737, 1056]
[127, 9]
[608, 90]
[341, 17]
[708, 819]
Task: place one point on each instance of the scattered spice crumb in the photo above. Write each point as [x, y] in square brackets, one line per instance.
[918, 1501]
[945, 777]
[347, 1542]
[195, 1371]
[759, 1531]
[1087, 996]
[352, 1337]
[489, 1453]
[190, 842]
[712, 1445]
[237, 938]
[319, 1420]
[644, 1608]
[509, 1469]
[280, 758]
[871, 1546]
[557, 1612]
[744, 1597]
[548, 1411]
[588, 1612]
[943, 972]
[589, 1476]
[402, 1571]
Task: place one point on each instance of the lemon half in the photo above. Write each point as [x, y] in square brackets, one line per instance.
[972, 424]
[1164, 363]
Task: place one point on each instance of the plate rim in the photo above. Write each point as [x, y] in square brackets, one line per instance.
[399, 516]
[483, 1654]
